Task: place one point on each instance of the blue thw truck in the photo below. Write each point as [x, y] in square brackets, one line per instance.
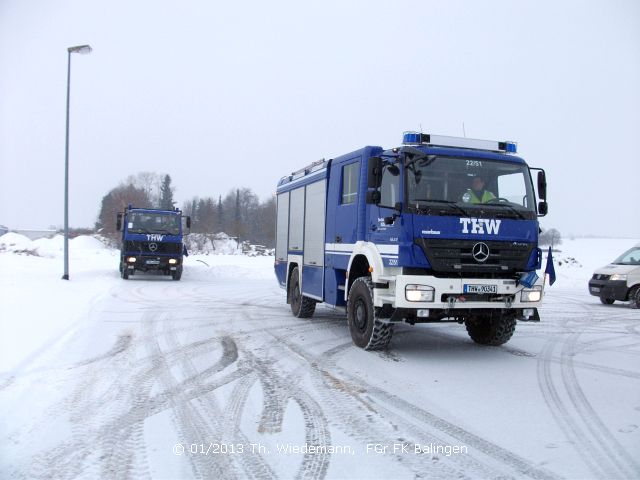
[152, 241]
[404, 235]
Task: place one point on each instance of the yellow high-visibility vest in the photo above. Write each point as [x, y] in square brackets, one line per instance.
[486, 196]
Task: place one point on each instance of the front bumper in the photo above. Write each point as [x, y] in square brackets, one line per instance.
[453, 294]
[608, 289]
[147, 263]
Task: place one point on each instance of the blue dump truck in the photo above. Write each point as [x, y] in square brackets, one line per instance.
[438, 229]
[152, 241]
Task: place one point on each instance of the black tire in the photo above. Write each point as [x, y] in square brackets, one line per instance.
[493, 328]
[634, 297]
[177, 274]
[124, 272]
[607, 301]
[367, 330]
[301, 306]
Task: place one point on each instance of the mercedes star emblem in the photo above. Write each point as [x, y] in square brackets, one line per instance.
[480, 252]
[154, 246]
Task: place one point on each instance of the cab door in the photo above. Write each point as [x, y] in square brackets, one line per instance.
[384, 222]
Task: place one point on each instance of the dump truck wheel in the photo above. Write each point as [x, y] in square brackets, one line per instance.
[177, 274]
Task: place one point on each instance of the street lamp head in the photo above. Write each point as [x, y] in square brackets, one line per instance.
[83, 49]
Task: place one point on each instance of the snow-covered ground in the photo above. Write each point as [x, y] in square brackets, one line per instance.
[211, 377]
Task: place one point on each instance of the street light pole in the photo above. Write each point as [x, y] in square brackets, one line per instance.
[82, 49]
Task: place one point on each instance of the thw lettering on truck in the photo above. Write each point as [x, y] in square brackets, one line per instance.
[480, 225]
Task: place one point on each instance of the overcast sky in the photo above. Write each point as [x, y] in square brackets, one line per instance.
[225, 94]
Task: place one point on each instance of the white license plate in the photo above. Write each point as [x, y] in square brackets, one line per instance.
[595, 289]
[480, 288]
[153, 262]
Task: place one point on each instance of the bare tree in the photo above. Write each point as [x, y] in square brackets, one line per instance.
[550, 237]
[116, 201]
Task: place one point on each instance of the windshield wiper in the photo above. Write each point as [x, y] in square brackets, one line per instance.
[449, 203]
[520, 216]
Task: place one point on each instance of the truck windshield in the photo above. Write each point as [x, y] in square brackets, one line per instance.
[451, 186]
[143, 222]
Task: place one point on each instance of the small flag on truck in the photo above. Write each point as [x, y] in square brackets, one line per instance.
[550, 269]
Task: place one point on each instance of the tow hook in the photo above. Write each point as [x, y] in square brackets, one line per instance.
[508, 301]
[452, 302]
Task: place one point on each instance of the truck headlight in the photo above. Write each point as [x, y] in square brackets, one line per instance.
[419, 293]
[172, 261]
[531, 295]
[131, 259]
[618, 276]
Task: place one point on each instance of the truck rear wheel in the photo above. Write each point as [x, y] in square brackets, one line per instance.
[493, 328]
[367, 330]
[301, 306]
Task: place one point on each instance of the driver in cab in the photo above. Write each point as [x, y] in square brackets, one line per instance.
[477, 193]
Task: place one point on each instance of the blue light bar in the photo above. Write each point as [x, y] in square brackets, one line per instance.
[411, 137]
[417, 138]
[511, 147]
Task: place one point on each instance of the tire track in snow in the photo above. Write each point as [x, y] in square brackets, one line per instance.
[578, 420]
[251, 464]
[397, 408]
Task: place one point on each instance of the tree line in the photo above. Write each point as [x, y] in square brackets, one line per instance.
[239, 213]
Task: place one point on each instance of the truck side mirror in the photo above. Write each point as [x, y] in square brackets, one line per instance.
[542, 185]
[186, 225]
[119, 222]
[373, 197]
[374, 172]
[543, 208]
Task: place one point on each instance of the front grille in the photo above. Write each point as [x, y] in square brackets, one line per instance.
[143, 248]
[599, 276]
[455, 256]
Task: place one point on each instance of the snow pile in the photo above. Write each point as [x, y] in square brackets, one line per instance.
[256, 250]
[212, 244]
[49, 247]
[14, 242]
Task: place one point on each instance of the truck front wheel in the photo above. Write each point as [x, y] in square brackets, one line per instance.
[177, 273]
[493, 328]
[124, 271]
[367, 330]
[301, 306]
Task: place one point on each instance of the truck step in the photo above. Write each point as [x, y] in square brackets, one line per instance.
[387, 298]
[386, 279]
